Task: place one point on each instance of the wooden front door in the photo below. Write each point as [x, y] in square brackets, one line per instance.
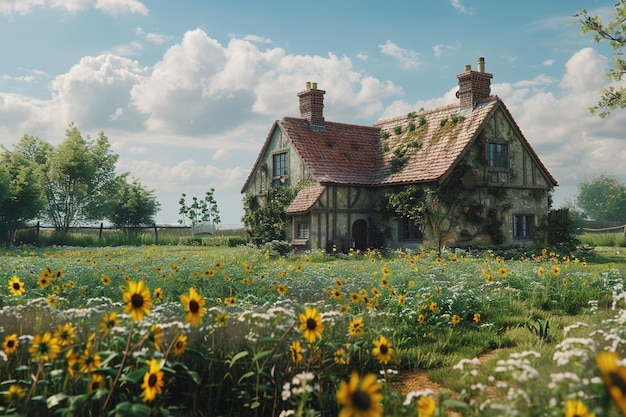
[359, 234]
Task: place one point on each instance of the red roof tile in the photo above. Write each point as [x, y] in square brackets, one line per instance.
[305, 199]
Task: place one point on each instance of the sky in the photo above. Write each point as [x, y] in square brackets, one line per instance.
[187, 91]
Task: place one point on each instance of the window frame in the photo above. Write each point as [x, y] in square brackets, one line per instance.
[302, 226]
[280, 169]
[408, 231]
[522, 226]
[497, 155]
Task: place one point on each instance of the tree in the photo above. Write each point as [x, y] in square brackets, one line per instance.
[603, 198]
[21, 193]
[614, 31]
[134, 206]
[199, 211]
[79, 180]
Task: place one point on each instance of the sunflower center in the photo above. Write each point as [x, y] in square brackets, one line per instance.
[110, 324]
[361, 400]
[194, 307]
[311, 324]
[10, 344]
[384, 349]
[136, 300]
[152, 380]
[179, 345]
[16, 286]
[43, 348]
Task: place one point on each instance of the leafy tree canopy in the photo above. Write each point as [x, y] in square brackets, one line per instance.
[134, 206]
[614, 32]
[603, 198]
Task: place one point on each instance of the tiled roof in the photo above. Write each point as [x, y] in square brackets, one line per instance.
[305, 199]
[338, 153]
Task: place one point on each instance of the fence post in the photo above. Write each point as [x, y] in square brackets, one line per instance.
[100, 232]
[37, 233]
[156, 234]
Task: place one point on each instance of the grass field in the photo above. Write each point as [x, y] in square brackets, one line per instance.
[219, 331]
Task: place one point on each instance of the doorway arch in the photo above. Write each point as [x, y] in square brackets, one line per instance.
[359, 234]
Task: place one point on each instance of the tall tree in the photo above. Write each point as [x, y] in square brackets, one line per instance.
[80, 180]
[603, 198]
[21, 192]
[134, 206]
[614, 32]
[200, 210]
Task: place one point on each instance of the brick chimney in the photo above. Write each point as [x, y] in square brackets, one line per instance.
[312, 104]
[473, 85]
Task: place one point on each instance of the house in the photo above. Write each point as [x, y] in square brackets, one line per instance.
[489, 184]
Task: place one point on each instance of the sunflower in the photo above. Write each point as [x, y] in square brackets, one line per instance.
[97, 382]
[488, 278]
[434, 307]
[421, 318]
[384, 282]
[158, 294]
[614, 377]
[311, 324]
[456, 319]
[336, 293]
[476, 318]
[355, 297]
[180, 344]
[105, 279]
[382, 350]
[230, 301]
[44, 348]
[89, 362]
[576, 408]
[16, 286]
[282, 289]
[426, 406]
[137, 300]
[108, 322]
[401, 300]
[65, 334]
[43, 281]
[73, 365]
[193, 304]
[152, 381]
[386, 271]
[360, 397]
[10, 343]
[503, 272]
[221, 319]
[541, 271]
[296, 351]
[356, 327]
[14, 393]
[156, 336]
[556, 270]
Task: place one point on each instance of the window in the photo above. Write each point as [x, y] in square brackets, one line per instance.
[279, 165]
[498, 155]
[522, 226]
[302, 231]
[409, 230]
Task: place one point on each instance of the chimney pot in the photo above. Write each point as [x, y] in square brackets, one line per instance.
[481, 64]
[314, 86]
[468, 68]
[308, 85]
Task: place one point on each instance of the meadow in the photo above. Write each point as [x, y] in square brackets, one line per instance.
[222, 331]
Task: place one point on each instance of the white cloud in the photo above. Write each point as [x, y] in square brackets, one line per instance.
[221, 153]
[156, 38]
[407, 58]
[256, 39]
[460, 8]
[362, 56]
[112, 7]
[548, 62]
[441, 50]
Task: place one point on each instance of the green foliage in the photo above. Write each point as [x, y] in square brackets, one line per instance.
[384, 134]
[134, 206]
[603, 198]
[200, 210]
[397, 130]
[21, 192]
[614, 32]
[264, 216]
[79, 180]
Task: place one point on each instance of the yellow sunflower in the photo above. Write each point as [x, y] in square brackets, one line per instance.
[10, 343]
[89, 362]
[356, 327]
[193, 304]
[476, 318]
[44, 347]
[230, 301]
[16, 286]
[14, 393]
[382, 350]
[340, 356]
[152, 381]
[614, 377]
[156, 336]
[360, 397]
[556, 270]
[137, 300]
[311, 324]
[109, 321]
[456, 319]
[43, 281]
[296, 351]
[97, 382]
[180, 344]
[105, 279]
[221, 319]
[282, 289]
[421, 318]
[158, 294]
[65, 334]
[426, 406]
[503, 272]
[576, 408]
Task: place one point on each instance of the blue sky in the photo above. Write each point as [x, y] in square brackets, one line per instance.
[187, 91]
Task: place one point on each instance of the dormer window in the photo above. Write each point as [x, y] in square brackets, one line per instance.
[498, 155]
